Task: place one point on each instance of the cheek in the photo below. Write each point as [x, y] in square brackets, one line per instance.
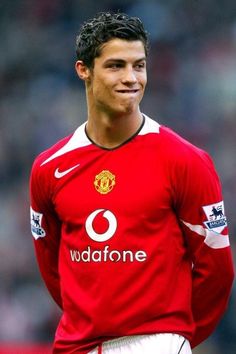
[98, 89]
[143, 80]
[101, 94]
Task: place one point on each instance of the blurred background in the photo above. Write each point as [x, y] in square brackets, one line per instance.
[192, 89]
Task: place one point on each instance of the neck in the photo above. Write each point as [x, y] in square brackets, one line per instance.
[110, 132]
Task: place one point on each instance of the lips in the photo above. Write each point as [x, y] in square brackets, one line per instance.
[127, 91]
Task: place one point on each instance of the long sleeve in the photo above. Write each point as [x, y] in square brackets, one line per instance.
[201, 212]
[45, 228]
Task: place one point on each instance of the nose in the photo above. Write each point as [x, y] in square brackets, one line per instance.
[129, 76]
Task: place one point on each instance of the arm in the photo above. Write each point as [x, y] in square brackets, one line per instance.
[45, 228]
[201, 211]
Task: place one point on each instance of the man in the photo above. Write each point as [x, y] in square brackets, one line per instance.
[127, 217]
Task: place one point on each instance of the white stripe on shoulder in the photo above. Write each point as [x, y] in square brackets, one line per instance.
[212, 238]
[150, 126]
[78, 139]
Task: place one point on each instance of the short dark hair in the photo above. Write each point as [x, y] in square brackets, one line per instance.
[104, 27]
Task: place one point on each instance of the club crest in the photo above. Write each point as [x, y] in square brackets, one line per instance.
[104, 182]
[216, 219]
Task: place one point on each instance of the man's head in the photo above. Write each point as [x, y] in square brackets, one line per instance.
[104, 27]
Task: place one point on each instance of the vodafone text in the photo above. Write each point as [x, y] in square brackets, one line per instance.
[107, 255]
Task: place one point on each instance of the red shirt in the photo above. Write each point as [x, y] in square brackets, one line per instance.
[130, 240]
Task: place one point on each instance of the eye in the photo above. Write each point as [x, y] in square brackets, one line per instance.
[140, 66]
[114, 66]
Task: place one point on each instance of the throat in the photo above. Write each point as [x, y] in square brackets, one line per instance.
[111, 136]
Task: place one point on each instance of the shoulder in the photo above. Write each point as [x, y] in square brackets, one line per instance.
[181, 147]
[74, 141]
[40, 172]
[175, 149]
[47, 153]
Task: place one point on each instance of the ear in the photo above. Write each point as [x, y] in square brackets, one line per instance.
[82, 70]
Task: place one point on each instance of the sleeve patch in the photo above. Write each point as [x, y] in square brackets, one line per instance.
[36, 224]
[216, 219]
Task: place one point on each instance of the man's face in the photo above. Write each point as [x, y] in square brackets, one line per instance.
[118, 78]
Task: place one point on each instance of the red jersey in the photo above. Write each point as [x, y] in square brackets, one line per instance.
[130, 240]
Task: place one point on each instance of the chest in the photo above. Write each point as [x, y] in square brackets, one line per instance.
[131, 180]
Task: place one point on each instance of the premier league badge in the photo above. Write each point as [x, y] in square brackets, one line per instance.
[216, 219]
[36, 224]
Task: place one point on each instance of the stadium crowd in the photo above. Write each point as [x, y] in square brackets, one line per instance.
[192, 89]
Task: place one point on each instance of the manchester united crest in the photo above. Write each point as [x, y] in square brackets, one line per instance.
[104, 182]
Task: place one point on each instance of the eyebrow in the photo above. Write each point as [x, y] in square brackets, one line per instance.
[122, 61]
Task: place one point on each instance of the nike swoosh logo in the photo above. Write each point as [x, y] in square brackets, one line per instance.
[59, 174]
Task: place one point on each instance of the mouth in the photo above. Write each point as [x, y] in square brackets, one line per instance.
[128, 91]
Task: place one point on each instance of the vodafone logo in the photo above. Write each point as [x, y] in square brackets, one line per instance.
[101, 225]
[111, 229]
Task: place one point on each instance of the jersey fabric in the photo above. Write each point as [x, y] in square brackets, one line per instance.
[131, 240]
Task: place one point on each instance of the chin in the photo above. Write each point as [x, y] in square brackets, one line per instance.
[123, 111]
[129, 107]
[124, 108]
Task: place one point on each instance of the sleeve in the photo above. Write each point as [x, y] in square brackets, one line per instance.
[200, 208]
[45, 228]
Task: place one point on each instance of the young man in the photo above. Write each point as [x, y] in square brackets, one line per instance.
[127, 217]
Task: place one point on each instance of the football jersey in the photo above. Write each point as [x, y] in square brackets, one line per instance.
[130, 240]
